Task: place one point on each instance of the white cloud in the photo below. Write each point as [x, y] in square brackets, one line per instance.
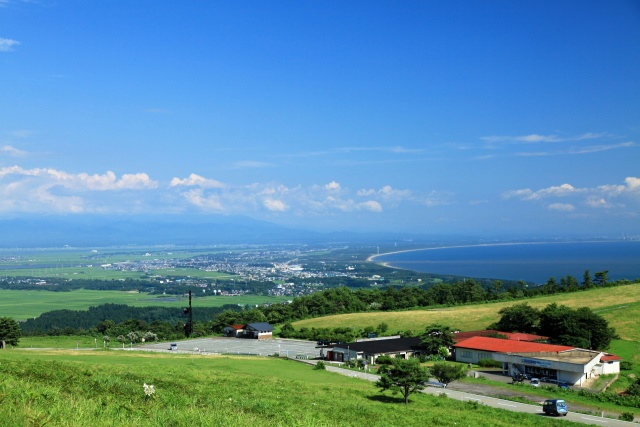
[250, 164]
[275, 205]
[332, 186]
[598, 202]
[565, 207]
[6, 45]
[12, 151]
[51, 190]
[210, 203]
[602, 196]
[21, 133]
[371, 205]
[536, 138]
[196, 180]
[554, 191]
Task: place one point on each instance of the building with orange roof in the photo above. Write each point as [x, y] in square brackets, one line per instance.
[548, 362]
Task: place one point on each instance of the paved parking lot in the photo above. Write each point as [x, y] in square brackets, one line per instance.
[222, 345]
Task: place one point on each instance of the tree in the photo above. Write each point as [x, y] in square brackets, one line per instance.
[448, 372]
[517, 318]
[600, 278]
[436, 336]
[404, 376]
[9, 331]
[579, 328]
[587, 283]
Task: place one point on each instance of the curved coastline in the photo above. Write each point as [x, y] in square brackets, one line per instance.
[371, 258]
[400, 266]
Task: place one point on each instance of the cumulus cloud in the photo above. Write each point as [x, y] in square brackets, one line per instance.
[602, 196]
[598, 202]
[275, 205]
[554, 191]
[372, 206]
[197, 181]
[51, 190]
[332, 186]
[6, 45]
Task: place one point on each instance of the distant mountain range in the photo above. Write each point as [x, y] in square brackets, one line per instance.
[87, 231]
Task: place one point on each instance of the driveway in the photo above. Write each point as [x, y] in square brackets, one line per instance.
[224, 345]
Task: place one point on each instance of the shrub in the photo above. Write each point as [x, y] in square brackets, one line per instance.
[626, 416]
[489, 363]
[423, 358]
[320, 365]
[625, 365]
[384, 360]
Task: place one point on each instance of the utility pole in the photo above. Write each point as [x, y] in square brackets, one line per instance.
[188, 327]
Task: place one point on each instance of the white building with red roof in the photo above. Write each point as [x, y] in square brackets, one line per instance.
[554, 363]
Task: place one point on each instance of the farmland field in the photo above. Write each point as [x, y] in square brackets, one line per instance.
[22, 305]
[86, 264]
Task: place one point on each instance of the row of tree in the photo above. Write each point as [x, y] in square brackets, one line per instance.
[574, 327]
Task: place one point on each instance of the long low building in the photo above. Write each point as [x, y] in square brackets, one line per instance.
[370, 350]
[556, 363]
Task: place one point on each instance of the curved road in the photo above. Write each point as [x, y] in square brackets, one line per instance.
[491, 401]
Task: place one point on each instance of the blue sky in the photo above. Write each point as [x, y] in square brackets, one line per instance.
[485, 117]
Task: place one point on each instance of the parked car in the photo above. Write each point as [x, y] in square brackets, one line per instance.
[555, 407]
[563, 385]
[535, 382]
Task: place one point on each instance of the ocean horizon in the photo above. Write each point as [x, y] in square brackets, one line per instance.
[531, 262]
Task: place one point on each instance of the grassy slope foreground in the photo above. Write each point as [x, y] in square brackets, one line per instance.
[620, 306]
[105, 388]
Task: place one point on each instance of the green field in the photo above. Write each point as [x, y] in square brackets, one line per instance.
[86, 264]
[22, 305]
[620, 306]
[97, 273]
[105, 388]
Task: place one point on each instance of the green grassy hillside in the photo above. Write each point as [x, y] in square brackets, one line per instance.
[105, 388]
[620, 306]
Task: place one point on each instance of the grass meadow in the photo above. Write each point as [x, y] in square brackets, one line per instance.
[105, 388]
[21, 305]
[620, 306]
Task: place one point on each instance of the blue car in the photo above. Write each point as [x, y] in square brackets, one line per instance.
[555, 407]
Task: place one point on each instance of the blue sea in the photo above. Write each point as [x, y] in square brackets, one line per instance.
[531, 262]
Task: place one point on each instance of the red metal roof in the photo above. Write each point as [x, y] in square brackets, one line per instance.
[517, 336]
[498, 345]
[610, 358]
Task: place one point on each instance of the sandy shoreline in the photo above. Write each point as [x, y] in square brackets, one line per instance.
[386, 264]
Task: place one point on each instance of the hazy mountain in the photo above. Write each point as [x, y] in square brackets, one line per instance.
[85, 231]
